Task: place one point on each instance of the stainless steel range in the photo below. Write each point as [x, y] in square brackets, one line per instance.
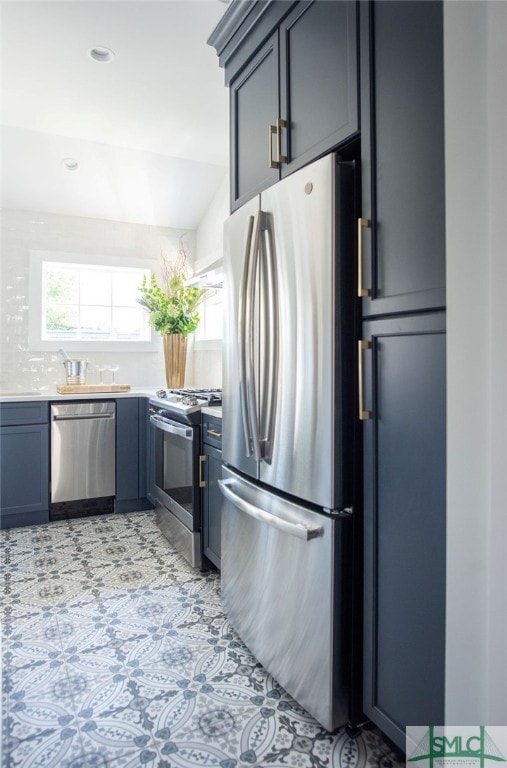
[175, 483]
[186, 401]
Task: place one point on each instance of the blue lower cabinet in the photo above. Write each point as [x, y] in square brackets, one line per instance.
[212, 505]
[24, 460]
[131, 446]
[404, 521]
[211, 495]
[24, 475]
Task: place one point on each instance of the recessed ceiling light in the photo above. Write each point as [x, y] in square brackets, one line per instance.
[101, 54]
[70, 164]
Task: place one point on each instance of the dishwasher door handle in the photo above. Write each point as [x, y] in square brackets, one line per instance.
[300, 530]
[80, 416]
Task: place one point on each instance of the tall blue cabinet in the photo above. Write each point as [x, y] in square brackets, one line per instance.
[402, 353]
[373, 72]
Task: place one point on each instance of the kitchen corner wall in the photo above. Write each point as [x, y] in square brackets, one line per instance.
[205, 361]
[23, 231]
[476, 211]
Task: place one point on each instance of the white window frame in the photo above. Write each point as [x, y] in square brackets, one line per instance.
[35, 340]
[208, 342]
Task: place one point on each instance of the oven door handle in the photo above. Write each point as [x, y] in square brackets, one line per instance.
[166, 426]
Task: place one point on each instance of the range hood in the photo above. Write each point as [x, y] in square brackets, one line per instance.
[210, 276]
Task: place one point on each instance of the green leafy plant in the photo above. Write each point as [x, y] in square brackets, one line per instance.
[172, 305]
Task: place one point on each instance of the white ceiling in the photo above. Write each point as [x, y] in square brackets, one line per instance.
[149, 130]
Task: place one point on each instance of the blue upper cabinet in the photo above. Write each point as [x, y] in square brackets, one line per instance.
[254, 99]
[292, 72]
[318, 80]
[402, 143]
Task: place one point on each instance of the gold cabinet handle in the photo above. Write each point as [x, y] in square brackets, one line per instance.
[361, 224]
[272, 131]
[202, 481]
[213, 432]
[279, 125]
[362, 345]
[276, 130]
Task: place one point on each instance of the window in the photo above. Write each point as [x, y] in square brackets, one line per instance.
[89, 303]
[210, 328]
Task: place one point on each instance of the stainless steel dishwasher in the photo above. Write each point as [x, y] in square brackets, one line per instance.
[83, 440]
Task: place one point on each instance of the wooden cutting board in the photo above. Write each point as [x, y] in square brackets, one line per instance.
[90, 389]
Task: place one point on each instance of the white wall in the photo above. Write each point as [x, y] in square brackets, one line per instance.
[209, 236]
[22, 231]
[206, 357]
[476, 199]
[497, 220]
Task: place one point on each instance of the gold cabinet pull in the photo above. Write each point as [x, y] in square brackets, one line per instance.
[362, 345]
[202, 481]
[276, 130]
[272, 131]
[213, 432]
[361, 224]
[279, 125]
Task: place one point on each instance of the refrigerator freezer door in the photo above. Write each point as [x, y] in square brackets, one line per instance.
[300, 238]
[283, 589]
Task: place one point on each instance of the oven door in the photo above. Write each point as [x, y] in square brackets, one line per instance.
[176, 459]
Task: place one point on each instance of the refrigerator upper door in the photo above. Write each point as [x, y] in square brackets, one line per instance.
[240, 444]
[298, 240]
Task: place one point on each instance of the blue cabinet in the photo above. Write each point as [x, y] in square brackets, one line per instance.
[211, 495]
[254, 107]
[404, 522]
[24, 460]
[403, 353]
[24, 464]
[292, 72]
[403, 164]
[131, 447]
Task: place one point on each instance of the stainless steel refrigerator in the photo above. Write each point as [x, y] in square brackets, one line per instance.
[287, 432]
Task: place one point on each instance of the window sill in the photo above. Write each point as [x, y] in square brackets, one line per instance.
[83, 347]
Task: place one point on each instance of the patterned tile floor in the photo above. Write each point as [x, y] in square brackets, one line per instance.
[116, 653]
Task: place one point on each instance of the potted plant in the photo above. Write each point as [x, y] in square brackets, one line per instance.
[172, 306]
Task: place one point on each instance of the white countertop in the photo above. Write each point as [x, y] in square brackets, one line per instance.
[22, 397]
[212, 410]
[26, 396]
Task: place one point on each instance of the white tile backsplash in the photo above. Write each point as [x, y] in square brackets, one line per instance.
[23, 231]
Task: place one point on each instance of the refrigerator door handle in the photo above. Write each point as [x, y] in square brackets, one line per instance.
[270, 288]
[242, 335]
[246, 344]
[300, 530]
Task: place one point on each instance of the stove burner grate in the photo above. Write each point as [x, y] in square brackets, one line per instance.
[193, 395]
